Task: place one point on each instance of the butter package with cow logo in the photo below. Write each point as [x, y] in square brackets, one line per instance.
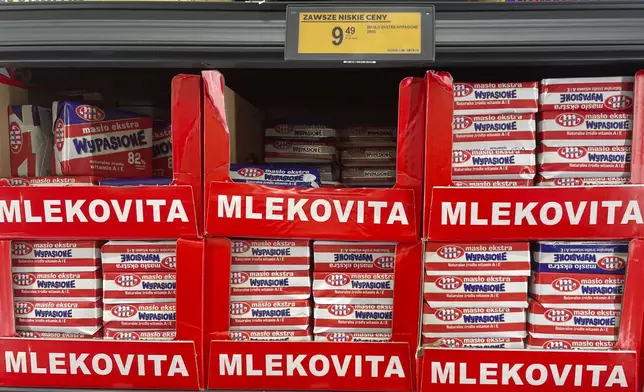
[577, 290]
[330, 256]
[139, 287]
[494, 98]
[567, 323]
[50, 181]
[587, 94]
[59, 335]
[533, 343]
[140, 334]
[277, 315]
[271, 335]
[353, 288]
[299, 151]
[585, 129]
[501, 164]
[507, 259]
[580, 181]
[512, 343]
[474, 322]
[494, 131]
[352, 318]
[55, 256]
[30, 141]
[584, 161]
[276, 175]
[301, 132]
[450, 291]
[269, 255]
[139, 256]
[344, 337]
[59, 286]
[92, 141]
[64, 316]
[140, 316]
[594, 257]
[270, 285]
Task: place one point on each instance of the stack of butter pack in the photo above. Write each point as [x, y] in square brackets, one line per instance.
[494, 134]
[476, 294]
[368, 156]
[577, 292]
[139, 290]
[57, 289]
[270, 290]
[353, 286]
[585, 131]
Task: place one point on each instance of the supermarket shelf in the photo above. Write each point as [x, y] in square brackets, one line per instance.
[252, 35]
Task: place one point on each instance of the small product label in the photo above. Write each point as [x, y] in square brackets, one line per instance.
[587, 94]
[474, 322]
[270, 285]
[577, 290]
[333, 256]
[353, 318]
[476, 291]
[353, 288]
[508, 259]
[119, 287]
[270, 315]
[139, 256]
[495, 98]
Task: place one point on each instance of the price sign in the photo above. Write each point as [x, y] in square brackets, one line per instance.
[360, 33]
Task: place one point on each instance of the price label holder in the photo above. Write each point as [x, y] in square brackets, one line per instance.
[360, 33]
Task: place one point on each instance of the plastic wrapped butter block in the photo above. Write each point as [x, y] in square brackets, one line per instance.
[586, 94]
[275, 175]
[55, 256]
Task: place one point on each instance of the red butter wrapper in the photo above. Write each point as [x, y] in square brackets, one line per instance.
[341, 337]
[139, 256]
[74, 286]
[31, 141]
[577, 291]
[585, 129]
[55, 256]
[269, 285]
[348, 256]
[58, 335]
[494, 131]
[131, 287]
[140, 334]
[447, 291]
[584, 162]
[80, 317]
[578, 181]
[137, 316]
[493, 98]
[161, 149]
[353, 288]
[270, 315]
[353, 318]
[271, 336]
[493, 164]
[586, 94]
[269, 255]
[91, 141]
[568, 344]
[49, 181]
[474, 322]
[566, 323]
[477, 259]
[513, 343]
[493, 183]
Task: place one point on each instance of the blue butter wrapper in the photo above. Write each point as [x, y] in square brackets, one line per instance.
[590, 257]
[275, 176]
[135, 181]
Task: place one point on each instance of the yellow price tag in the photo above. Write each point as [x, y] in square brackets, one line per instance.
[360, 33]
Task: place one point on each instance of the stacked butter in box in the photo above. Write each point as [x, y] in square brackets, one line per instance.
[585, 131]
[297, 147]
[353, 286]
[270, 290]
[368, 156]
[57, 288]
[494, 134]
[577, 292]
[476, 294]
[139, 290]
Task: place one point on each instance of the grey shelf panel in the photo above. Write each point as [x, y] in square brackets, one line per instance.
[252, 35]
